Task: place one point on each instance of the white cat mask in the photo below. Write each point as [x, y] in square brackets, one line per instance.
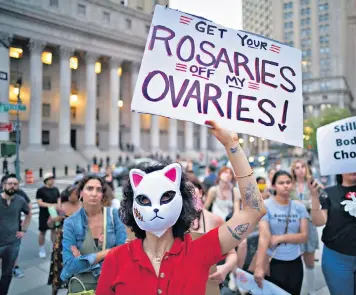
[157, 202]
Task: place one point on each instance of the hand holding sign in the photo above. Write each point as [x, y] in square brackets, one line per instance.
[225, 137]
[196, 70]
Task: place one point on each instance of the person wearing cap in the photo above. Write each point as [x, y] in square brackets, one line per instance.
[46, 196]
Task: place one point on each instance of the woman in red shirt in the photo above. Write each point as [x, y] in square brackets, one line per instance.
[158, 206]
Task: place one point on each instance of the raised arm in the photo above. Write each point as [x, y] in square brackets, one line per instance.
[242, 222]
[263, 244]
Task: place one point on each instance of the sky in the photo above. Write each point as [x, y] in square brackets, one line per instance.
[227, 13]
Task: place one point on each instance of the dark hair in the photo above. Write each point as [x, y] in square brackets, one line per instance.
[339, 179]
[195, 181]
[84, 181]
[66, 193]
[6, 177]
[185, 219]
[260, 178]
[278, 174]
[212, 168]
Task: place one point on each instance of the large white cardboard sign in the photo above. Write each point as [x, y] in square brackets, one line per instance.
[337, 147]
[196, 70]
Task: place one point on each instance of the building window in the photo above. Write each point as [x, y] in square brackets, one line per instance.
[81, 9]
[46, 110]
[124, 2]
[305, 11]
[305, 21]
[324, 50]
[128, 24]
[324, 39]
[47, 83]
[53, 3]
[98, 114]
[325, 97]
[288, 15]
[323, 7]
[288, 25]
[323, 18]
[73, 112]
[304, 2]
[288, 5]
[45, 137]
[323, 29]
[324, 85]
[106, 17]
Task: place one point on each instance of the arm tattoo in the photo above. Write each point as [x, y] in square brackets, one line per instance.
[253, 197]
[239, 231]
[236, 150]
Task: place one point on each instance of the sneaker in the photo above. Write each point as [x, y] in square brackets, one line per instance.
[18, 273]
[42, 253]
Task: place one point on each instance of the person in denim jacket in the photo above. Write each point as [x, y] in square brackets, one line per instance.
[83, 234]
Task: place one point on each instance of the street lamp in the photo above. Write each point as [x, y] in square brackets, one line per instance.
[17, 161]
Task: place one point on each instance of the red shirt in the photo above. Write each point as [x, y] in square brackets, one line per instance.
[127, 269]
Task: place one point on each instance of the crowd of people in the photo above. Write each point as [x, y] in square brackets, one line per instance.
[173, 234]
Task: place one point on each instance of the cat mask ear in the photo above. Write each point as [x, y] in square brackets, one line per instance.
[174, 173]
[136, 177]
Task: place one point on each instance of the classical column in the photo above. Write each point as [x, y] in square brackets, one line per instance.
[189, 136]
[4, 78]
[90, 115]
[154, 133]
[135, 117]
[114, 120]
[36, 77]
[173, 137]
[65, 82]
[203, 138]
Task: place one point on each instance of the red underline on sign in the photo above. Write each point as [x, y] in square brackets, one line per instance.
[275, 46]
[183, 65]
[200, 77]
[185, 17]
[253, 87]
[253, 83]
[181, 70]
[184, 23]
[275, 51]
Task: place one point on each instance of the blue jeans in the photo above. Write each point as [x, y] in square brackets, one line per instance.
[338, 270]
[8, 255]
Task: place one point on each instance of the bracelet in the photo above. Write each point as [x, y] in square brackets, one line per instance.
[250, 173]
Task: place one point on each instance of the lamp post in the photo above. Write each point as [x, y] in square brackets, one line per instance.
[17, 126]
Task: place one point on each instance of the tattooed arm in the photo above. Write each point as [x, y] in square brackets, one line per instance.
[242, 223]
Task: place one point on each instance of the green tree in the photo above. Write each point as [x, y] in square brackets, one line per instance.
[327, 116]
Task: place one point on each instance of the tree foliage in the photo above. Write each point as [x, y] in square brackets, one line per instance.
[327, 116]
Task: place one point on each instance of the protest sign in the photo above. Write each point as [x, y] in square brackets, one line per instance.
[246, 281]
[196, 70]
[337, 147]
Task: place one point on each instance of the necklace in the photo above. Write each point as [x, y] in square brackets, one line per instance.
[157, 259]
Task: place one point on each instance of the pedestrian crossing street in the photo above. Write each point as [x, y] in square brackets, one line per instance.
[31, 189]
